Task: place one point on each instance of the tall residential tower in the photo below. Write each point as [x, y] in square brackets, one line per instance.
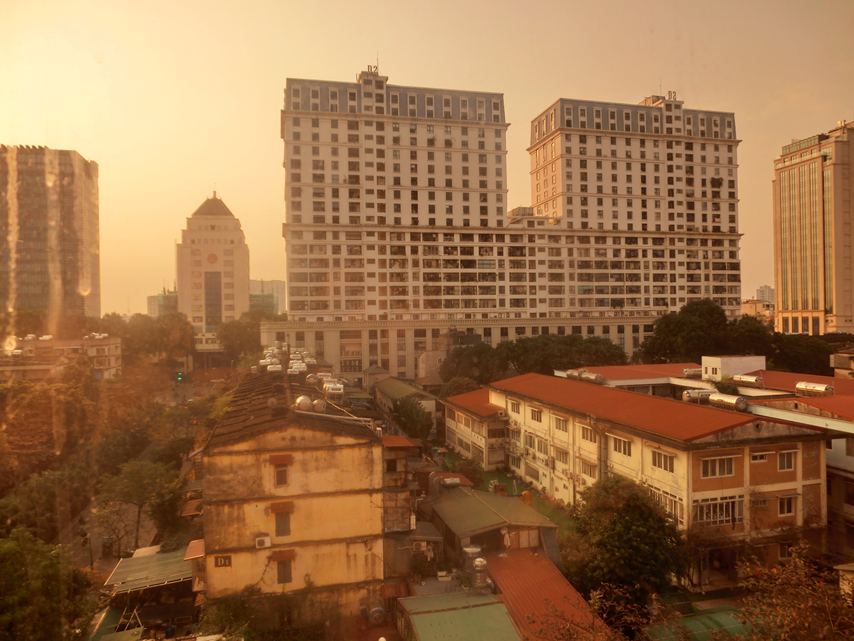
[397, 226]
[646, 198]
[49, 226]
[812, 235]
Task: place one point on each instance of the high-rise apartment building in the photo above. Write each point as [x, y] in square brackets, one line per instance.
[766, 293]
[213, 271]
[49, 233]
[397, 229]
[646, 198]
[812, 239]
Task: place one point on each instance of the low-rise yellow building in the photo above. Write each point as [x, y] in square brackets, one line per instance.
[294, 504]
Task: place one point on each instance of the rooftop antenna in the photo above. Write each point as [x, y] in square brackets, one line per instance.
[214, 190]
[659, 85]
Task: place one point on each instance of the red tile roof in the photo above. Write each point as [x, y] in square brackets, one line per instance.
[476, 402]
[624, 372]
[786, 381]
[669, 418]
[393, 440]
[526, 581]
[842, 406]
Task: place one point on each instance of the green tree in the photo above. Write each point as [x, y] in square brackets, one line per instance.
[43, 597]
[698, 329]
[165, 507]
[243, 337]
[411, 417]
[796, 601]
[137, 484]
[623, 538]
[802, 354]
[471, 468]
[457, 386]
[479, 362]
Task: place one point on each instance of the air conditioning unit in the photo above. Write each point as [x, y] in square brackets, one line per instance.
[502, 413]
[263, 542]
[565, 471]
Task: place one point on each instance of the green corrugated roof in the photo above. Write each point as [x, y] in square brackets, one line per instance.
[449, 601]
[700, 626]
[141, 572]
[459, 615]
[127, 635]
[469, 512]
[395, 388]
[106, 622]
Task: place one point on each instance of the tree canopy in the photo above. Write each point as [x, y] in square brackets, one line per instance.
[538, 354]
[42, 595]
[796, 601]
[137, 483]
[623, 538]
[701, 328]
[242, 337]
[457, 386]
[411, 417]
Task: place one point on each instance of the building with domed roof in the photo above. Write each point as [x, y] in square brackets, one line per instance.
[213, 271]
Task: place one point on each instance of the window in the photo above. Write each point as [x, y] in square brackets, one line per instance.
[717, 467]
[785, 461]
[515, 407]
[283, 569]
[529, 440]
[663, 461]
[719, 511]
[622, 446]
[281, 475]
[283, 524]
[561, 456]
[543, 447]
[537, 415]
[588, 469]
[561, 424]
[786, 506]
[588, 434]
[758, 458]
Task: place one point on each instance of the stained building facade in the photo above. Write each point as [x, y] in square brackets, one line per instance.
[49, 232]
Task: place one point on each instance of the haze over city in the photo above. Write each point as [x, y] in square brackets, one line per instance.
[174, 100]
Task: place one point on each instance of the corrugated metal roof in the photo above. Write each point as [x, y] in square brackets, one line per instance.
[393, 440]
[676, 420]
[459, 615]
[700, 626]
[464, 481]
[527, 581]
[395, 388]
[626, 372]
[469, 512]
[138, 573]
[476, 402]
[127, 635]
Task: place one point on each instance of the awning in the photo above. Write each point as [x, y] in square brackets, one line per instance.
[192, 508]
[195, 550]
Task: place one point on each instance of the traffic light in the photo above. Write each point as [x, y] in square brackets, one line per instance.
[180, 376]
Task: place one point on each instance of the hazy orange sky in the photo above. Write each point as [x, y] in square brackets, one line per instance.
[170, 98]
